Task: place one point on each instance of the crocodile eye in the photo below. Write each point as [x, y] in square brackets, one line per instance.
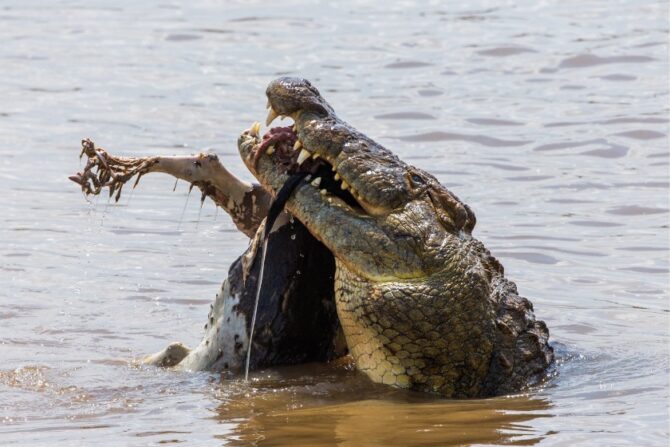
[415, 181]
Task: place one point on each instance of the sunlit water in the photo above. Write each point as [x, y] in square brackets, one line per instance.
[549, 118]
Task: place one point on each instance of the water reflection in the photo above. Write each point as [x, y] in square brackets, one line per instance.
[318, 405]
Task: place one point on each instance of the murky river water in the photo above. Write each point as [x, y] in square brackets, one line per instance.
[549, 118]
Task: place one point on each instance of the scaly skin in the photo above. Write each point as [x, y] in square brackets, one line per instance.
[422, 303]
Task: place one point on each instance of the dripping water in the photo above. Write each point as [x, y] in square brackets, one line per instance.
[104, 211]
[197, 224]
[259, 286]
[183, 211]
[275, 209]
[130, 197]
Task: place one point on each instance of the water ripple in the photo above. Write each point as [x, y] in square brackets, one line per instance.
[590, 60]
[452, 136]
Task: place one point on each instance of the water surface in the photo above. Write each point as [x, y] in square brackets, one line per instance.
[550, 119]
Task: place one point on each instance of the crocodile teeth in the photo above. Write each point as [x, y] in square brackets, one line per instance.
[337, 176]
[268, 105]
[271, 116]
[316, 182]
[294, 128]
[297, 145]
[255, 129]
[323, 192]
[315, 156]
[271, 150]
[304, 155]
[345, 185]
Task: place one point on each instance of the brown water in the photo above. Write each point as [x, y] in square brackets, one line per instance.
[549, 118]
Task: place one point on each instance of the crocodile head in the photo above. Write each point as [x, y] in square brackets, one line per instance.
[413, 288]
[382, 218]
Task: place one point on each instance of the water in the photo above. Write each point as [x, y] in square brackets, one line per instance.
[549, 118]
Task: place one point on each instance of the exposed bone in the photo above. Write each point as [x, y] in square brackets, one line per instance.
[247, 204]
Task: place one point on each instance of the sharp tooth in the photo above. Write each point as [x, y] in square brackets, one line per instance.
[271, 150]
[268, 105]
[297, 145]
[294, 128]
[337, 176]
[334, 170]
[316, 182]
[323, 192]
[304, 155]
[255, 128]
[271, 116]
[315, 156]
[345, 185]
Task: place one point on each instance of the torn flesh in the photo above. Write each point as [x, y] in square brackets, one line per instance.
[246, 204]
[297, 321]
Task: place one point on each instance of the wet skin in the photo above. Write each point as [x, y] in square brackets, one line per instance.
[423, 305]
[420, 304]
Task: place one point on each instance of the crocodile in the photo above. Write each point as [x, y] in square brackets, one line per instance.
[373, 258]
[422, 303]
